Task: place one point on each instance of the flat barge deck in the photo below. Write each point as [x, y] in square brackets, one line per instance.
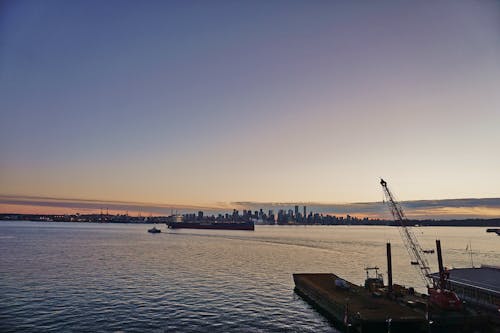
[357, 307]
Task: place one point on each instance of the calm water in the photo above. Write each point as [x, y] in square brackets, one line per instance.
[91, 277]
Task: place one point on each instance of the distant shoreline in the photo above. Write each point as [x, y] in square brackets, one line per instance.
[479, 222]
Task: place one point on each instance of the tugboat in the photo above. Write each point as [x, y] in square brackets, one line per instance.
[153, 230]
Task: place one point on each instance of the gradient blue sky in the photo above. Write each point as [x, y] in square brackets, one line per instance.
[195, 102]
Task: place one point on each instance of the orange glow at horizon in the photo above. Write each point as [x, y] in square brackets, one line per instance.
[417, 213]
[469, 212]
[48, 210]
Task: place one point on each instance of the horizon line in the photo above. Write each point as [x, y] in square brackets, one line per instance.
[431, 208]
[218, 204]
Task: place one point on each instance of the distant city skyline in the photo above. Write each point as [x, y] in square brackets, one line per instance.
[186, 103]
[421, 209]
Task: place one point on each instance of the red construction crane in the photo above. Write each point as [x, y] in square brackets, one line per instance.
[438, 294]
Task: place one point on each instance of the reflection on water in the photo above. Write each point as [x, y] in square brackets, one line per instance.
[87, 277]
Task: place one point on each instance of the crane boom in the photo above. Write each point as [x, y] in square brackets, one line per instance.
[410, 241]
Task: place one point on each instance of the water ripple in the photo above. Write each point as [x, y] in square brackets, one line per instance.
[118, 278]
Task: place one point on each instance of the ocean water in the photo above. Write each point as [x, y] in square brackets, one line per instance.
[119, 278]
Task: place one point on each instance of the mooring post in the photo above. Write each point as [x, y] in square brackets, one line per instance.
[389, 268]
[440, 264]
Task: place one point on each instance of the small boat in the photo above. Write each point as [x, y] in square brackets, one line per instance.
[153, 230]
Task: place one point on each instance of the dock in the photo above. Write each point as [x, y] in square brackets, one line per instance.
[479, 287]
[355, 308]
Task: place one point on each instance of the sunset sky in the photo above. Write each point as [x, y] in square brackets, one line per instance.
[212, 103]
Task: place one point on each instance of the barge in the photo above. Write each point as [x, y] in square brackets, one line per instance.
[354, 308]
[244, 225]
[376, 307]
[357, 309]
[495, 230]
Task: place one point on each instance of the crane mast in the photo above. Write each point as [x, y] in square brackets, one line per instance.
[410, 241]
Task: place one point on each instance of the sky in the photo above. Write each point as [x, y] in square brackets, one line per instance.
[211, 103]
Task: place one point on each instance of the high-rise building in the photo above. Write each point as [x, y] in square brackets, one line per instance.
[305, 211]
[296, 211]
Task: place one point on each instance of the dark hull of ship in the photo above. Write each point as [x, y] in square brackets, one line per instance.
[217, 226]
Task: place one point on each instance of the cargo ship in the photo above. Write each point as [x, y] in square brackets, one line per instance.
[495, 230]
[244, 225]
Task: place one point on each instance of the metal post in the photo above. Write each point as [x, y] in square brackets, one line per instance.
[440, 264]
[389, 268]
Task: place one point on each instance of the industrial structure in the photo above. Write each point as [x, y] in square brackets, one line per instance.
[439, 295]
[478, 287]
